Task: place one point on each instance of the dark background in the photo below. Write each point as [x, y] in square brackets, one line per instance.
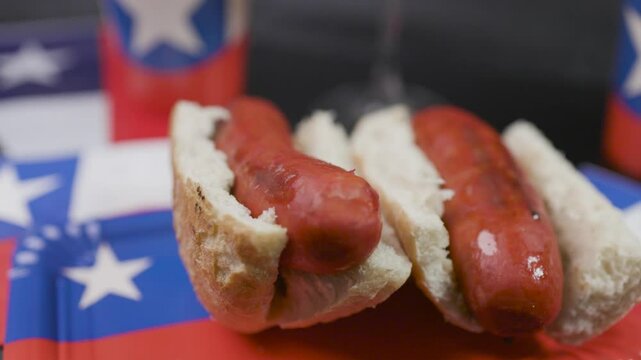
[548, 61]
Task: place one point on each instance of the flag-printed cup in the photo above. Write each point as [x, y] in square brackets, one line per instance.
[622, 139]
[155, 52]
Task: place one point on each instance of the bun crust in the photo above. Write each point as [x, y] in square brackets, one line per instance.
[233, 259]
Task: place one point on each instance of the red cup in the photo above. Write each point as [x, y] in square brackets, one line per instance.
[178, 49]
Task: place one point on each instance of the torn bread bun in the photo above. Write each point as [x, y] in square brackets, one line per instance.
[320, 137]
[601, 255]
[412, 201]
[233, 259]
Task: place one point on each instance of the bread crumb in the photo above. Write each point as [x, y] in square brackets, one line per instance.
[268, 216]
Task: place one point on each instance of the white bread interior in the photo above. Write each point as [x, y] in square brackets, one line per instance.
[601, 256]
[320, 137]
[412, 200]
[232, 258]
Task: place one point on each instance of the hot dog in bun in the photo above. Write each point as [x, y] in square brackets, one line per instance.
[504, 234]
[270, 236]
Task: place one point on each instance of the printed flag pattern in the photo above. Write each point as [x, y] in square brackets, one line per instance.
[628, 75]
[99, 279]
[623, 126]
[36, 194]
[29, 194]
[48, 58]
[158, 51]
[33, 193]
[174, 35]
[50, 103]
[100, 183]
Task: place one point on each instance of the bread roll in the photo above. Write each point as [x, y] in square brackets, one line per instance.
[233, 259]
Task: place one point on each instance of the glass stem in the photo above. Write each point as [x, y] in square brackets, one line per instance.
[386, 76]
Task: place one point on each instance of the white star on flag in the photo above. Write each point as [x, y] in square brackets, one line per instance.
[108, 276]
[632, 85]
[163, 21]
[15, 194]
[32, 64]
